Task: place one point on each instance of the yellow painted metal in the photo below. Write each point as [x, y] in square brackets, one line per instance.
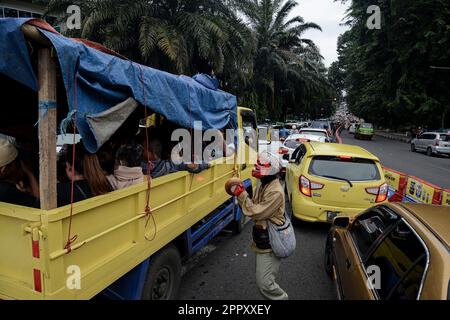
[112, 232]
[331, 198]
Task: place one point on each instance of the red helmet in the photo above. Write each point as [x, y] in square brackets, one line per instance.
[267, 165]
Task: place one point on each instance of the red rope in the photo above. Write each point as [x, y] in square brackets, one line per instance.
[71, 240]
[148, 210]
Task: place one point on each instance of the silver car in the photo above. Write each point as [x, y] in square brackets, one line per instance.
[433, 143]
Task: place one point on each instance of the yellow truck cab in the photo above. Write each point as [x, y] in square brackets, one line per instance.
[118, 248]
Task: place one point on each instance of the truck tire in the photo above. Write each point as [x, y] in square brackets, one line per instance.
[163, 276]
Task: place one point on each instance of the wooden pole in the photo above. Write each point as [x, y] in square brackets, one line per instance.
[47, 129]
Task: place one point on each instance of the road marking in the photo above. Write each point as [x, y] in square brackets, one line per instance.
[445, 169]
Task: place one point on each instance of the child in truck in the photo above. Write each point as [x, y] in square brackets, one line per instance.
[87, 174]
[128, 169]
[18, 185]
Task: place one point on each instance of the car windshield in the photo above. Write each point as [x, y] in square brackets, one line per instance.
[314, 133]
[320, 124]
[352, 169]
[367, 126]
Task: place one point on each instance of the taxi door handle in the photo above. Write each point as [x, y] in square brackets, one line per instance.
[348, 263]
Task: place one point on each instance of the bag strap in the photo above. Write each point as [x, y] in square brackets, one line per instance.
[81, 191]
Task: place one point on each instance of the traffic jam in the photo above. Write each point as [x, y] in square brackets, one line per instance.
[141, 179]
[382, 220]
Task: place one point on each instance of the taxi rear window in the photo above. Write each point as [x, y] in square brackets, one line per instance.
[353, 169]
[292, 144]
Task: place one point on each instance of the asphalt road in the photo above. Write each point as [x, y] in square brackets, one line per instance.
[398, 156]
[224, 270]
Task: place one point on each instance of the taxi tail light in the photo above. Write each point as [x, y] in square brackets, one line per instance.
[381, 192]
[306, 186]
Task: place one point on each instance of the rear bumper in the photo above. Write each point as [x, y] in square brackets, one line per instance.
[441, 150]
[365, 135]
[306, 209]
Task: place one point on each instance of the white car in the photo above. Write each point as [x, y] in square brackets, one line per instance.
[352, 129]
[295, 140]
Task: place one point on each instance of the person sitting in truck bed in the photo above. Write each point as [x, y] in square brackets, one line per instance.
[160, 168]
[89, 178]
[128, 169]
[18, 185]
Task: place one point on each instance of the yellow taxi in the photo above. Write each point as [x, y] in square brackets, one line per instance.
[325, 180]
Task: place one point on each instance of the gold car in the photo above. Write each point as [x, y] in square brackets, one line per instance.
[391, 252]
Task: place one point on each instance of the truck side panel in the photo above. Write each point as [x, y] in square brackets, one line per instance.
[113, 234]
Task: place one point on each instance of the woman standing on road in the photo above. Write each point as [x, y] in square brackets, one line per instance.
[267, 204]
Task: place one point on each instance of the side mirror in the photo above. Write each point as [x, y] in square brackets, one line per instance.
[341, 222]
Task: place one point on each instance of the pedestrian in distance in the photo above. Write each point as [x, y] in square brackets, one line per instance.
[267, 204]
[284, 133]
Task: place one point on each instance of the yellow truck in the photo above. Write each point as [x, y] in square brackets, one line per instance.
[120, 249]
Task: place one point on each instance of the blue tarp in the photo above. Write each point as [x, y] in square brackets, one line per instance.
[103, 81]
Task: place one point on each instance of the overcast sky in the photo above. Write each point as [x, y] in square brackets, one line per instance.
[328, 14]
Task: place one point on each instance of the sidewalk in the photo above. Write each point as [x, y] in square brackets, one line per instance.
[393, 136]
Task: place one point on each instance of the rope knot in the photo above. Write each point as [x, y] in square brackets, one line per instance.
[69, 243]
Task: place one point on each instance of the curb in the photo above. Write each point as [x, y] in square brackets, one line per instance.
[393, 137]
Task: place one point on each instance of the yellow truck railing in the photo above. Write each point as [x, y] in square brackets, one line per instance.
[111, 229]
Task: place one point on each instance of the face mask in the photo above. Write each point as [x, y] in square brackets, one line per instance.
[261, 170]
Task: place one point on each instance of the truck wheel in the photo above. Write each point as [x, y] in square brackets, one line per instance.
[164, 275]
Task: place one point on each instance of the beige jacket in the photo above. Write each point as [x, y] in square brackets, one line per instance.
[267, 203]
[124, 177]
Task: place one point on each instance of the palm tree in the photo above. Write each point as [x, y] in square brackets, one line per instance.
[283, 57]
[182, 36]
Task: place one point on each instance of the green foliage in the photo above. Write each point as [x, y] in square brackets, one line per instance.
[263, 59]
[387, 73]
[289, 75]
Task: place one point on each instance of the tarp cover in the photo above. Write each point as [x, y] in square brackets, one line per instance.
[104, 81]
